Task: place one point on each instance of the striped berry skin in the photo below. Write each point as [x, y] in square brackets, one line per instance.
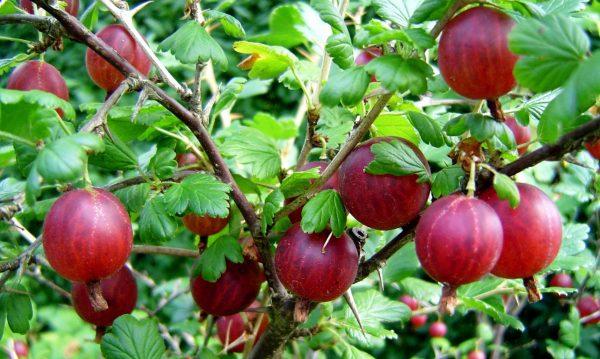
[561, 280]
[522, 134]
[380, 201]
[474, 58]
[593, 148]
[589, 306]
[458, 240]
[332, 183]
[532, 232]
[72, 6]
[87, 235]
[438, 330]
[204, 225]
[312, 272]
[106, 75]
[476, 354]
[120, 292]
[231, 327]
[39, 75]
[233, 292]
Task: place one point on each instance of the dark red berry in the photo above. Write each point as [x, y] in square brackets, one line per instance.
[438, 330]
[39, 75]
[561, 280]
[119, 291]
[380, 201]
[417, 321]
[106, 75]
[593, 148]
[231, 327]
[532, 232]
[331, 183]
[476, 354]
[312, 271]
[204, 225]
[87, 235]
[522, 134]
[72, 6]
[234, 291]
[411, 302]
[587, 306]
[474, 58]
[186, 159]
[366, 56]
[458, 239]
[21, 349]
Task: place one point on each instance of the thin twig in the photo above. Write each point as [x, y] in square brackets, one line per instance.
[39, 277]
[169, 251]
[101, 115]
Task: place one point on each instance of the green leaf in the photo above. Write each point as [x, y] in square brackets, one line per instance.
[506, 189]
[298, 182]
[116, 155]
[131, 338]
[277, 129]
[578, 94]
[402, 264]
[420, 38]
[2, 314]
[396, 11]
[421, 290]
[482, 127]
[156, 223]
[191, 44]
[551, 48]
[268, 61]
[200, 193]
[497, 315]
[89, 18]
[395, 124]
[430, 10]
[335, 123]
[481, 286]
[569, 329]
[559, 351]
[430, 130]
[323, 210]
[447, 181]
[252, 148]
[230, 24]
[7, 64]
[456, 126]
[273, 203]
[11, 187]
[346, 87]
[330, 15]
[229, 95]
[339, 47]
[291, 25]
[134, 197]
[306, 70]
[37, 98]
[18, 309]
[399, 74]
[212, 261]
[398, 159]
[163, 163]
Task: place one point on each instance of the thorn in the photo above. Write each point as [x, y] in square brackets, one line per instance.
[138, 8]
[139, 104]
[350, 300]
[380, 275]
[326, 242]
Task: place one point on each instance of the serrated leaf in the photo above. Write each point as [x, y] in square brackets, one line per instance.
[323, 210]
[551, 48]
[456, 126]
[212, 261]
[397, 12]
[134, 197]
[306, 70]
[399, 74]
[230, 24]
[422, 290]
[18, 309]
[130, 338]
[335, 123]
[7, 64]
[497, 315]
[10, 187]
[330, 15]
[273, 203]
[191, 44]
[430, 130]
[267, 61]
[252, 148]
[298, 182]
[395, 124]
[420, 38]
[402, 264]
[201, 194]
[396, 158]
[447, 181]
[156, 223]
[116, 155]
[482, 127]
[277, 129]
[346, 87]
[506, 189]
[163, 163]
[339, 47]
[229, 95]
[570, 329]
[430, 10]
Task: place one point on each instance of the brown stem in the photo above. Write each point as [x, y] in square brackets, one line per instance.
[496, 109]
[448, 302]
[439, 26]
[100, 331]
[533, 293]
[94, 290]
[302, 309]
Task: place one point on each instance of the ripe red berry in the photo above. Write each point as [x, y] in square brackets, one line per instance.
[522, 134]
[438, 330]
[411, 302]
[380, 201]
[458, 240]
[312, 272]
[476, 354]
[474, 58]
[331, 183]
[204, 225]
[366, 56]
[106, 75]
[21, 349]
[87, 235]
[231, 327]
[561, 280]
[417, 321]
[72, 6]
[532, 232]
[39, 75]
[186, 159]
[593, 148]
[587, 306]
[119, 291]
[234, 291]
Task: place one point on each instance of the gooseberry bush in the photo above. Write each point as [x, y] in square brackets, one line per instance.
[324, 178]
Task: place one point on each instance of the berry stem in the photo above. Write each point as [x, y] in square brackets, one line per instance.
[448, 302]
[86, 174]
[100, 331]
[95, 294]
[301, 310]
[471, 183]
[533, 293]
